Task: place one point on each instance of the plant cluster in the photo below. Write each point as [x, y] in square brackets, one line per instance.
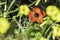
[29, 19]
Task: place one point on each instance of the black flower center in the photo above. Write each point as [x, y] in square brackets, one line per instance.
[36, 15]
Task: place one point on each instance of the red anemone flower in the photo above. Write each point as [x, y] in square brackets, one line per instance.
[36, 15]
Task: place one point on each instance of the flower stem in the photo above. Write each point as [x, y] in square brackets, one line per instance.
[37, 2]
[47, 30]
[1, 13]
[17, 23]
[41, 25]
[11, 5]
[49, 34]
[5, 8]
[32, 4]
[2, 3]
[13, 10]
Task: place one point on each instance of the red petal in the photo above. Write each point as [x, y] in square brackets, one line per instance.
[43, 13]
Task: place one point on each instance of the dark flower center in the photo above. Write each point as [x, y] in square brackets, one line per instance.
[36, 15]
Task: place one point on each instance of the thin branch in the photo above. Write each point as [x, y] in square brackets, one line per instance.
[11, 4]
[2, 3]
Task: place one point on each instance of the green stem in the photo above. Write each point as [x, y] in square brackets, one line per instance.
[47, 30]
[2, 3]
[13, 11]
[32, 3]
[1, 13]
[41, 25]
[37, 2]
[5, 8]
[11, 21]
[6, 13]
[18, 23]
[46, 18]
[49, 34]
[11, 5]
